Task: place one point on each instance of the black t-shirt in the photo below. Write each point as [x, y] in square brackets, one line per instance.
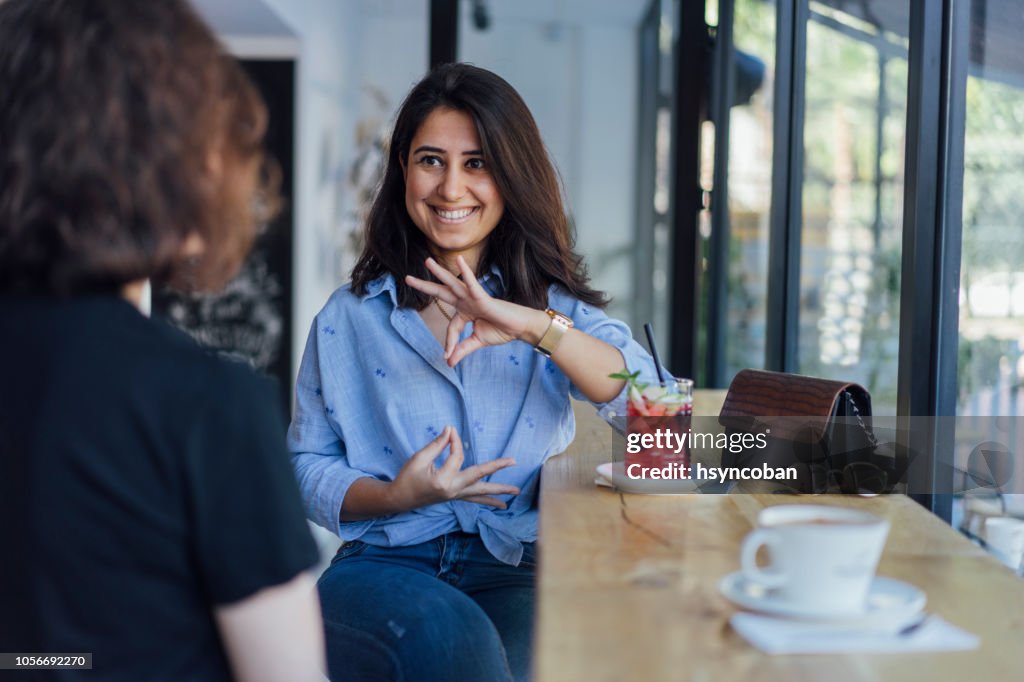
[142, 482]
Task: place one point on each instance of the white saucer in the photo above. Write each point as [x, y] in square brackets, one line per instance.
[890, 602]
[615, 475]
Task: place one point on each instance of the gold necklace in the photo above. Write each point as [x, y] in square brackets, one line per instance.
[443, 311]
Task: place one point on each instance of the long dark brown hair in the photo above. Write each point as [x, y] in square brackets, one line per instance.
[532, 245]
[110, 115]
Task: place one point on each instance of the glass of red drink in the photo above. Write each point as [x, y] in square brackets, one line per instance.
[652, 410]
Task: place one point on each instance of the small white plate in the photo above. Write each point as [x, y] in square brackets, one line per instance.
[615, 475]
[890, 603]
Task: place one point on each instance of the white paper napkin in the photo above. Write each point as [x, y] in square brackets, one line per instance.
[782, 636]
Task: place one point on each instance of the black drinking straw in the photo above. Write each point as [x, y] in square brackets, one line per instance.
[654, 350]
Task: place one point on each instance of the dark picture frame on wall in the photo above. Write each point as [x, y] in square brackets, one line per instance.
[251, 319]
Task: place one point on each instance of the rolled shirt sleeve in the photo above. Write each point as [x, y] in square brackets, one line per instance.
[615, 333]
[318, 451]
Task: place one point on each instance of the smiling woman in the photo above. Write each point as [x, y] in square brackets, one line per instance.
[422, 412]
[450, 193]
[476, 111]
[429, 357]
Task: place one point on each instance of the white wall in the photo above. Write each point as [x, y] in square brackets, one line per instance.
[605, 181]
[357, 60]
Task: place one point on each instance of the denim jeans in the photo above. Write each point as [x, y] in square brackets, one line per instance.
[440, 611]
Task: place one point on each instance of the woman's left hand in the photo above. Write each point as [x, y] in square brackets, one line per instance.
[494, 321]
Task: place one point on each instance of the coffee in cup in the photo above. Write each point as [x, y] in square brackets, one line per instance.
[822, 559]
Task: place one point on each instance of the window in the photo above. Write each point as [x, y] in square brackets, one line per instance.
[854, 120]
[991, 354]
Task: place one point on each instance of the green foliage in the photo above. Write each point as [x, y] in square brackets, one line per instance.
[630, 378]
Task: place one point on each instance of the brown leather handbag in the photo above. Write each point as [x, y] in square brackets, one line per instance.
[820, 427]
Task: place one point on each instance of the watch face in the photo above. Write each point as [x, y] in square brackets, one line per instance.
[553, 336]
[559, 317]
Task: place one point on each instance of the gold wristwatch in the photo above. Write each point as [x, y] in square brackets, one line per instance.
[560, 324]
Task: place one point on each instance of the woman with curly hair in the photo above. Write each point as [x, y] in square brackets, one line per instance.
[149, 513]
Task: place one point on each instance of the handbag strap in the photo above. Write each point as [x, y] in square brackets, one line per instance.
[859, 416]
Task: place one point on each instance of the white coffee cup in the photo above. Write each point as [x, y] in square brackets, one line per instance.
[1004, 536]
[822, 559]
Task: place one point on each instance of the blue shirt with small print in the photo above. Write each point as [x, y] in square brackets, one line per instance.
[374, 387]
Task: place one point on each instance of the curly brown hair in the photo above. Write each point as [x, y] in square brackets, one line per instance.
[124, 130]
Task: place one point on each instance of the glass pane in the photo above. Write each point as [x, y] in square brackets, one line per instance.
[750, 184]
[852, 195]
[991, 356]
[991, 343]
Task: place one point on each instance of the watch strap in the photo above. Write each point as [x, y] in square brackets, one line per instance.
[559, 325]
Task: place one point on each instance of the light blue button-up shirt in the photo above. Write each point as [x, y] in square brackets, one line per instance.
[374, 388]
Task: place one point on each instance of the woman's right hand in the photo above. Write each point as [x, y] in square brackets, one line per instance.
[421, 483]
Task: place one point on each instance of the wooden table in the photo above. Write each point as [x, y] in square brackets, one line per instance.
[628, 583]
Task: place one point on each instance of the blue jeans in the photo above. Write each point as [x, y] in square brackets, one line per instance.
[444, 610]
